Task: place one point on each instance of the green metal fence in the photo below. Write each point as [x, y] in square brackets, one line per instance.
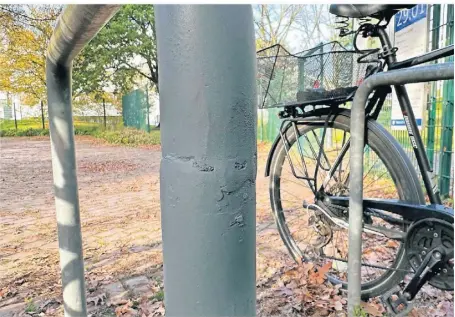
[136, 110]
[437, 133]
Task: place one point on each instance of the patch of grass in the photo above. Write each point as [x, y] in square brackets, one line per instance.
[30, 306]
[120, 135]
[159, 296]
[44, 132]
[86, 130]
[30, 123]
[33, 127]
[359, 312]
[35, 123]
[130, 137]
[448, 201]
[101, 242]
[24, 132]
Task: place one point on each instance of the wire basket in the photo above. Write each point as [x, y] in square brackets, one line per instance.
[325, 74]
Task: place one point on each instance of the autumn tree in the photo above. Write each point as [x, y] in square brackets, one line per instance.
[121, 55]
[296, 27]
[25, 34]
[123, 52]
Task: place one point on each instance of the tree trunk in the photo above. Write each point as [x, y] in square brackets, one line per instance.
[42, 115]
[104, 112]
[15, 120]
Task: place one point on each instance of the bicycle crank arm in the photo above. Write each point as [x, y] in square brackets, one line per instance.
[430, 266]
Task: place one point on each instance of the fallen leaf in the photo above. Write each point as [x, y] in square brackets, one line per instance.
[319, 277]
[321, 312]
[285, 291]
[447, 308]
[338, 306]
[392, 244]
[124, 310]
[97, 300]
[3, 292]
[120, 299]
[160, 310]
[292, 285]
[324, 269]
[19, 282]
[371, 309]
[413, 313]
[436, 312]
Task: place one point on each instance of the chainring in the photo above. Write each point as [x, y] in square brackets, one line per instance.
[425, 235]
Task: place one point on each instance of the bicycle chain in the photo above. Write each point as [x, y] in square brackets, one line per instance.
[369, 265]
[344, 210]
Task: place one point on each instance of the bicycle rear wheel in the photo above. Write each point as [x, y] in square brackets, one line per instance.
[311, 237]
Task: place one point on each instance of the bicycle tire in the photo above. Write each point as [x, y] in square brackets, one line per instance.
[399, 167]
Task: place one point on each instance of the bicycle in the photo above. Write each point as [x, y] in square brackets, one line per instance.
[401, 236]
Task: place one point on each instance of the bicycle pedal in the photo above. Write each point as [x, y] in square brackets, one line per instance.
[398, 307]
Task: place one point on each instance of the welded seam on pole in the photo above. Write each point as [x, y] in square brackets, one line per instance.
[76, 27]
[443, 71]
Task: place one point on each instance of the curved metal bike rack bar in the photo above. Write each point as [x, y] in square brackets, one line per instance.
[435, 72]
[77, 25]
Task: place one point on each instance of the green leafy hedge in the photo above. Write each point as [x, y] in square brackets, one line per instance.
[25, 132]
[131, 137]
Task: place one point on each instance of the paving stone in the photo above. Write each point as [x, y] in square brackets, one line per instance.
[114, 289]
[102, 263]
[13, 310]
[138, 285]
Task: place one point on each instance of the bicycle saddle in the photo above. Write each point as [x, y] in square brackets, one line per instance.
[377, 11]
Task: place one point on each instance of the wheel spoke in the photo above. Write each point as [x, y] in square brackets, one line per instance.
[376, 256]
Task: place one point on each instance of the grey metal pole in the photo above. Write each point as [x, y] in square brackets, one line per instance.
[66, 190]
[76, 27]
[207, 63]
[391, 78]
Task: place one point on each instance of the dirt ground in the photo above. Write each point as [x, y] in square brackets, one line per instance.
[120, 215]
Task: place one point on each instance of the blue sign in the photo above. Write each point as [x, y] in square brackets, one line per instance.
[402, 123]
[407, 17]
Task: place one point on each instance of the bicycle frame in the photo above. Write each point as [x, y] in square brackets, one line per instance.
[356, 201]
[406, 108]
[367, 103]
[408, 114]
